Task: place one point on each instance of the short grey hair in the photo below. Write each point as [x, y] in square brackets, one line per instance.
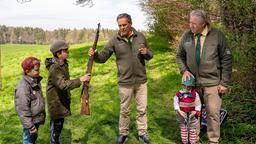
[202, 15]
[125, 15]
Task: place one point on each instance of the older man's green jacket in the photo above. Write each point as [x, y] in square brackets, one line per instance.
[58, 88]
[216, 60]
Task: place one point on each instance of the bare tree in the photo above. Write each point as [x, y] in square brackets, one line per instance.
[23, 1]
[81, 3]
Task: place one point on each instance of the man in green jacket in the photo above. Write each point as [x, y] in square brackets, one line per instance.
[204, 53]
[58, 87]
[131, 50]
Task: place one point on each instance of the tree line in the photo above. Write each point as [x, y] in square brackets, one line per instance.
[29, 35]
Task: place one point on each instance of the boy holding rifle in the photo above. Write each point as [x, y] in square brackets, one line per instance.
[59, 86]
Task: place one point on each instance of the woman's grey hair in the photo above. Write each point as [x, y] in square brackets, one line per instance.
[125, 15]
[202, 15]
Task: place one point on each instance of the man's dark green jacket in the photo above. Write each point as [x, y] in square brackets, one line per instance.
[130, 63]
[216, 60]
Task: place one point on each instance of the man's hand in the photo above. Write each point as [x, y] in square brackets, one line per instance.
[186, 76]
[91, 52]
[222, 89]
[33, 131]
[181, 113]
[143, 49]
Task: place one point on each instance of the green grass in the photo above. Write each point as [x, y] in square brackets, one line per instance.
[101, 127]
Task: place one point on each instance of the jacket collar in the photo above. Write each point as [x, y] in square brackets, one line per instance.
[209, 29]
[205, 31]
[55, 60]
[135, 33]
[34, 82]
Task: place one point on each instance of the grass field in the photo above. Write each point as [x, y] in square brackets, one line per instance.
[101, 127]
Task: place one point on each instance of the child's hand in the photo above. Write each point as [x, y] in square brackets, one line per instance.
[86, 77]
[33, 130]
[91, 52]
[182, 113]
[192, 114]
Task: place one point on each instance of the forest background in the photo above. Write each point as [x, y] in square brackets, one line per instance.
[167, 20]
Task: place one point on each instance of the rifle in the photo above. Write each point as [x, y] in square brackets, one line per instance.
[85, 109]
[187, 123]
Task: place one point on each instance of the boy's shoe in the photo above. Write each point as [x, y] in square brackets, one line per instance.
[122, 139]
[144, 138]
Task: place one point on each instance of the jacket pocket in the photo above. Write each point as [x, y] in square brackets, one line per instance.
[188, 46]
[119, 70]
[208, 69]
[35, 106]
[210, 52]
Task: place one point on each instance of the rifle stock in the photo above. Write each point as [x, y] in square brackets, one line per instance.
[85, 108]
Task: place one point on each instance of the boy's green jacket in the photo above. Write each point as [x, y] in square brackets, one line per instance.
[58, 88]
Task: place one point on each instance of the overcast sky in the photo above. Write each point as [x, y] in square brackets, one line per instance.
[54, 14]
